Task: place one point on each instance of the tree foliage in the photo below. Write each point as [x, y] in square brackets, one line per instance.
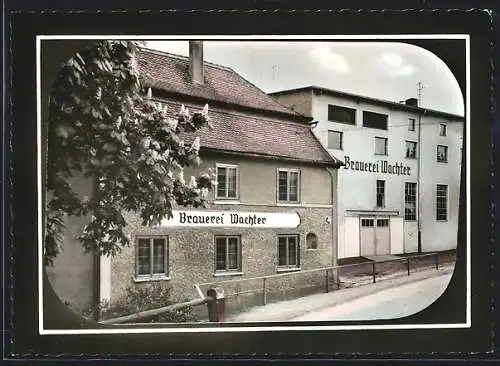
[103, 125]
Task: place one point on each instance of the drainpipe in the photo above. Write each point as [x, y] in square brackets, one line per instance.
[419, 239]
[333, 223]
[419, 224]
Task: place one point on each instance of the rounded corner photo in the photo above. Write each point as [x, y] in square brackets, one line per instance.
[245, 181]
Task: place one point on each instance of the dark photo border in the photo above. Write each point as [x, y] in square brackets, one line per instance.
[27, 342]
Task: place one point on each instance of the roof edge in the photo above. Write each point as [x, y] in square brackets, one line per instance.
[324, 163]
[237, 107]
[243, 79]
[338, 162]
[385, 102]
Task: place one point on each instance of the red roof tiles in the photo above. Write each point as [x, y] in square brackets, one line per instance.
[171, 73]
[238, 132]
[252, 134]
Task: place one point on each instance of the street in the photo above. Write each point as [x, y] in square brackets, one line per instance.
[392, 297]
[387, 304]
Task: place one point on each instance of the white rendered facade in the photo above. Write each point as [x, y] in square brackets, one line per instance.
[371, 224]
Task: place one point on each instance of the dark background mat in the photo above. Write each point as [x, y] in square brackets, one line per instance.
[21, 334]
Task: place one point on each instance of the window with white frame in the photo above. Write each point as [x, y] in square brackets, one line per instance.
[335, 140]
[380, 193]
[442, 153]
[288, 185]
[411, 149]
[288, 251]
[442, 129]
[410, 201]
[441, 202]
[227, 254]
[227, 181]
[380, 146]
[152, 257]
[411, 124]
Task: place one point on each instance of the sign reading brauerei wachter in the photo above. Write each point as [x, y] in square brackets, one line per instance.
[232, 219]
[379, 166]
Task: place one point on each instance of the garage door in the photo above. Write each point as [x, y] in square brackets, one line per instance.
[382, 237]
[374, 236]
[367, 236]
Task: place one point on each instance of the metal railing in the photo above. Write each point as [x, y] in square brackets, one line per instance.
[215, 298]
[214, 301]
[328, 272]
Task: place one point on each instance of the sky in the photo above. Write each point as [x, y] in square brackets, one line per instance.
[382, 70]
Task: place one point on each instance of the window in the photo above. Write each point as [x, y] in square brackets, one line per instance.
[335, 140]
[410, 201]
[288, 185]
[288, 251]
[442, 154]
[411, 124]
[380, 193]
[375, 120]
[411, 150]
[367, 222]
[380, 146]
[311, 241]
[441, 202]
[151, 256]
[227, 181]
[382, 222]
[442, 129]
[341, 114]
[227, 254]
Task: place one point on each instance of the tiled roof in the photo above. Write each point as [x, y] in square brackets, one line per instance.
[252, 134]
[170, 73]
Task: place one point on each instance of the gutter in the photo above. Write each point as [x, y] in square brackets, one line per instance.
[332, 163]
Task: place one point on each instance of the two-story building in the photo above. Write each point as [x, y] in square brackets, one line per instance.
[273, 210]
[399, 188]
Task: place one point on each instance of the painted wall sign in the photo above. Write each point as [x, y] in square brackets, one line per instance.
[190, 218]
[379, 166]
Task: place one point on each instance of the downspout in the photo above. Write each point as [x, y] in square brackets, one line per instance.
[419, 224]
[333, 223]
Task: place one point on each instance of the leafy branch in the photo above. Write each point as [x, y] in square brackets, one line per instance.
[103, 126]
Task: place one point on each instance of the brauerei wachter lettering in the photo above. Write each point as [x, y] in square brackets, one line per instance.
[380, 166]
[206, 218]
[233, 218]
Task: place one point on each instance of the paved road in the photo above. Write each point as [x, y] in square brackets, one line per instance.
[390, 303]
[390, 297]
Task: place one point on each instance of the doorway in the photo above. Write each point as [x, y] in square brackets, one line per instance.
[374, 236]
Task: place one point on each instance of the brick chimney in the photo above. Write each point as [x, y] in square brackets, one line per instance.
[196, 61]
[412, 101]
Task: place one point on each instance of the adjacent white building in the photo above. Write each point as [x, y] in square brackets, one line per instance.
[401, 173]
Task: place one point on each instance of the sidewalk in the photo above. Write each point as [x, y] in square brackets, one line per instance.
[293, 309]
[363, 274]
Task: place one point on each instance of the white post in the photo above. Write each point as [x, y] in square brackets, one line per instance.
[105, 278]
